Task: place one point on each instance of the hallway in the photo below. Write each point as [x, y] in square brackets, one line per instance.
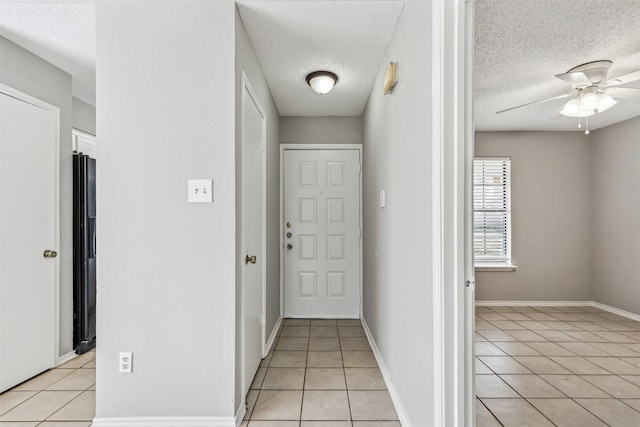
[556, 366]
[321, 374]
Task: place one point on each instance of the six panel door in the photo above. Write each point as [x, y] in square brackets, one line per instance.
[322, 233]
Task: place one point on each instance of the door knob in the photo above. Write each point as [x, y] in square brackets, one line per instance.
[289, 235]
[49, 254]
[288, 225]
[250, 259]
[289, 246]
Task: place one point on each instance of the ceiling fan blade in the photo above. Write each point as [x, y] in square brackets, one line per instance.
[624, 92]
[575, 78]
[624, 79]
[566, 95]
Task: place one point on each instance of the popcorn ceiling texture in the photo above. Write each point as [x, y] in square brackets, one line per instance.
[294, 38]
[522, 44]
[63, 34]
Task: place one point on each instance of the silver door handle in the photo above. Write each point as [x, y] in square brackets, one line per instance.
[250, 259]
[289, 246]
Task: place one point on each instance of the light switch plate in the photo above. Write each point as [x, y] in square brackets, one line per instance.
[383, 199]
[200, 191]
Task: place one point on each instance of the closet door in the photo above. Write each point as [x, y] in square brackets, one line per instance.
[29, 159]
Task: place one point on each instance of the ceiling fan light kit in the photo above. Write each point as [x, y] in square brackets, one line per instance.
[322, 81]
[589, 90]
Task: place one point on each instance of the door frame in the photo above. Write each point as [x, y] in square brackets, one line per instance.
[22, 96]
[322, 147]
[452, 155]
[246, 86]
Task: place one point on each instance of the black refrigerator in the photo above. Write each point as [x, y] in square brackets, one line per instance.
[84, 253]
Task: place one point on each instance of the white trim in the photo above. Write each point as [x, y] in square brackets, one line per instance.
[242, 411]
[323, 317]
[619, 312]
[66, 357]
[272, 337]
[14, 93]
[83, 133]
[395, 397]
[610, 309]
[165, 422]
[493, 303]
[246, 86]
[438, 223]
[495, 267]
[283, 148]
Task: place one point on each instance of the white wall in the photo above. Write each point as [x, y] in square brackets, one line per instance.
[166, 276]
[84, 116]
[398, 288]
[28, 73]
[247, 61]
[550, 215]
[616, 205]
[321, 130]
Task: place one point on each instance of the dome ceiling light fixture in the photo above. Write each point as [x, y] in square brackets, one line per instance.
[322, 81]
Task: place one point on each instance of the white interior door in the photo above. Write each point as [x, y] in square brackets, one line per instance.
[28, 227]
[322, 233]
[253, 228]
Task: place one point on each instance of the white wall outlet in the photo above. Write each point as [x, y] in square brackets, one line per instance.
[125, 363]
[200, 191]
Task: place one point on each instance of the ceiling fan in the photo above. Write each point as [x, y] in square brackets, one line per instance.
[591, 92]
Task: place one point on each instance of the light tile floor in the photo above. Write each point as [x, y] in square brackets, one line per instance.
[61, 397]
[322, 373]
[556, 366]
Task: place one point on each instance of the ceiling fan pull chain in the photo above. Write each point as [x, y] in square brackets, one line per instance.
[579, 124]
[586, 132]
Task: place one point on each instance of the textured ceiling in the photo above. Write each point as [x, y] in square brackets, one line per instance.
[294, 38]
[522, 44]
[63, 34]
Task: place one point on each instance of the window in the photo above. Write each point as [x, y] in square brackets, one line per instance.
[492, 211]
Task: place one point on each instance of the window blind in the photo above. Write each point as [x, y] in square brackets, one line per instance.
[492, 210]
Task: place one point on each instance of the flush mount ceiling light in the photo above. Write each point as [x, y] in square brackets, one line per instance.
[321, 81]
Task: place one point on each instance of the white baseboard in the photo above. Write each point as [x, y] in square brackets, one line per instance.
[66, 357]
[337, 316]
[272, 338]
[242, 411]
[395, 397]
[165, 422]
[535, 303]
[610, 309]
[617, 311]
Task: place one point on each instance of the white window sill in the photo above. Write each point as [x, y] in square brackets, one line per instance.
[495, 267]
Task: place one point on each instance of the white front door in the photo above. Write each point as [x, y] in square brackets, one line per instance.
[253, 229]
[28, 227]
[322, 233]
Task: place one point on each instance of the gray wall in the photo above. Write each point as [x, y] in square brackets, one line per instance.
[166, 113]
[550, 215]
[616, 205]
[247, 61]
[84, 116]
[398, 287]
[28, 73]
[321, 130]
